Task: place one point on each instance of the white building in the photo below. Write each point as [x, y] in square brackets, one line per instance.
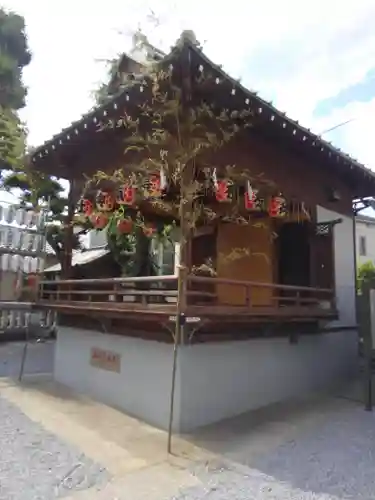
[94, 239]
[365, 239]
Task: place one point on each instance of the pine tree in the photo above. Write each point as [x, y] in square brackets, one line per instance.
[14, 56]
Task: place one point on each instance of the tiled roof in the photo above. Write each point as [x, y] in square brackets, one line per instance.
[275, 118]
[81, 257]
[365, 218]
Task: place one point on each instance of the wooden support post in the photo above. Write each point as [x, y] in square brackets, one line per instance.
[298, 299]
[248, 295]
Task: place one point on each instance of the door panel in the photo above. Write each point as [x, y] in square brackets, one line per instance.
[255, 265]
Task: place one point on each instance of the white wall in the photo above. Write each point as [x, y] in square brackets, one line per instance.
[344, 265]
[141, 389]
[366, 229]
[226, 379]
[96, 239]
[214, 381]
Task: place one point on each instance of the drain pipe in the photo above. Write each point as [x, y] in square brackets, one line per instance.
[355, 263]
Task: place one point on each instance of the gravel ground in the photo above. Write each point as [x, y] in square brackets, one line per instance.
[333, 461]
[35, 464]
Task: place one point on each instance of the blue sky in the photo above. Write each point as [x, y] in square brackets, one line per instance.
[314, 61]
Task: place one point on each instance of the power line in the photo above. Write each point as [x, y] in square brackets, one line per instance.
[337, 126]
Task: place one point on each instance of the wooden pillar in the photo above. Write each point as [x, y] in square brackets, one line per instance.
[66, 269]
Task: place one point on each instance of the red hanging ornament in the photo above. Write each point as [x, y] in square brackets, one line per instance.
[125, 226]
[252, 201]
[87, 207]
[105, 202]
[277, 206]
[126, 195]
[154, 187]
[222, 191]
[99, 221]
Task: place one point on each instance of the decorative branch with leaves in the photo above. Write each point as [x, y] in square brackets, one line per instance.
[169, 146]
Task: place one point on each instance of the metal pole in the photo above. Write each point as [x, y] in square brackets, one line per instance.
[368, 315]
[24, 352]
[355, 264]
[356, 291]
[368, 361]
[180, 320]
[364, 320]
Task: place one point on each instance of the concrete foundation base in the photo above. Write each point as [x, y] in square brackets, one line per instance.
[214, 381]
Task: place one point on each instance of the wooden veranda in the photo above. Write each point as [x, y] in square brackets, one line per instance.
[149, 304]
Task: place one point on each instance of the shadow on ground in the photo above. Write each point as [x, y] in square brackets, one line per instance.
[323, 444]
[39, 358]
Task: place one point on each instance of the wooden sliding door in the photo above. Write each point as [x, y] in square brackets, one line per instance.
[253, 243]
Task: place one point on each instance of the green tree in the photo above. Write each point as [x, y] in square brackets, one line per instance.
[365, 273]
[14, 56]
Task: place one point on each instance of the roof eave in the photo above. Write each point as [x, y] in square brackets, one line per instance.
[258, 105]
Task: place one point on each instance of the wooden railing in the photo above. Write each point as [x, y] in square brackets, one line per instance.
[279, 296]
[143, 290]
[153, 293]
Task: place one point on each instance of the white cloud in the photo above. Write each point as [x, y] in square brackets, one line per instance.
[357, 136]
[317, 59]
[292, 52]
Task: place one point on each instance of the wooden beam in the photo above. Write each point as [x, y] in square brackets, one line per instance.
[66, 268]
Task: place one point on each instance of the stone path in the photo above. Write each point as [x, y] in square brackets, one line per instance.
[86, 446]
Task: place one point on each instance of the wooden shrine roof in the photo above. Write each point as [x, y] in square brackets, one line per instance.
[229, 91]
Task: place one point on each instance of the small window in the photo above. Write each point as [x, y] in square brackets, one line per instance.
[362, 246]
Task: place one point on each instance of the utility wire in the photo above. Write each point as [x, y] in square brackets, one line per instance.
[337, 126]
